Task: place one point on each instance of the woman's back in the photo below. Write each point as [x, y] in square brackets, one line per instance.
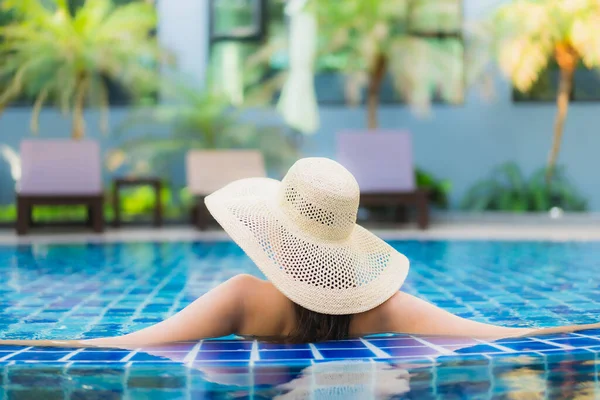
[269, 314]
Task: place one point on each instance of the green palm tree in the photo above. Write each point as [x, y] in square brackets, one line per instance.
[52, 53]
[417, 43]
[368, 40]
[527, 34]
[196, 119]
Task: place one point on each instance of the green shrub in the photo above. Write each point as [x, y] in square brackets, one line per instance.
[8, 213]
[507, 189]
[439, 189]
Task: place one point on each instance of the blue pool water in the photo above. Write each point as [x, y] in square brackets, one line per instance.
[93, 290]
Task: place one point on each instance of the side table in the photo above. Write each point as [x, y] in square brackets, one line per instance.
[146, 181]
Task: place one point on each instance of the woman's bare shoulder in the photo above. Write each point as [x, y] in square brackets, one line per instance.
[379, 319]
[405, 313]
[267, 312]
[401, 313]
[249, 284]
[265, 296]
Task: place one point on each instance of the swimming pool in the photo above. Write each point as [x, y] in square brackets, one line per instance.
[93, 290]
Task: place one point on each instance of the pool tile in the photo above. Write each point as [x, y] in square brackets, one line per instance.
[145, 357]
[451, 340]
[38, 356]
[223, 355]
[396, 342]
[286, 354]
[53, 349]
[175, 347]
[556, 336]
[12, 348]
[346, 353]
[342, 344]
[577, 341]
[479, 349]
[410, 351]
[38, 393]
[568, 355]
[199, 364]
[513, 340]
[518, 358]
[590, 332]
[99, 356]
[282, 346]
[531, 345]
[231, 346]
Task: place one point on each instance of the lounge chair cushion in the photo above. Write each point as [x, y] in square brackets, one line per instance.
[60, 167]
[382, 162]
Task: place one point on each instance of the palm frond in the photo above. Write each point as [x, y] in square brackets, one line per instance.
[525, 33]
[16, 83]
[128, 22]
[37, 107]
[46, 49]
[521, 35]
[202, 120]
[410, 69]
[526, 18]
[32, 9]
[435, 16]
[422, 68]
[585, 39]
[522, 59]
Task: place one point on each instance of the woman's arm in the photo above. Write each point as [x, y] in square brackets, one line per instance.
[219, 312]
[405, 313]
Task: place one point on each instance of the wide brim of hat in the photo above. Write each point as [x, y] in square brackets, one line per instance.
[248, 211]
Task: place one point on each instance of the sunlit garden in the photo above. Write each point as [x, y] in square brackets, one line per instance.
[499, 103]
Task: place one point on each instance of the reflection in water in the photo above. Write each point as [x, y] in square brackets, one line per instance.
[566, 376]
[530, 376]
[347, 380]
[526, 379]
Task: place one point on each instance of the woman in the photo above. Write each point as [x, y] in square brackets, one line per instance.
[329, 278]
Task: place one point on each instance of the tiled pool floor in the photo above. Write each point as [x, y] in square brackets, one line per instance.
[93, 290]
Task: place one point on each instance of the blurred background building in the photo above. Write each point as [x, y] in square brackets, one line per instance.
[477, 141]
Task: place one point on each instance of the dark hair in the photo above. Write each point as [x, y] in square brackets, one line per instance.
[315, 327]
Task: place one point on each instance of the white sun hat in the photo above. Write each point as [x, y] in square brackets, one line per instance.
[302, 234]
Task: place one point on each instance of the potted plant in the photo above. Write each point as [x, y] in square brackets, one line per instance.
[49, 52]
[527, 35]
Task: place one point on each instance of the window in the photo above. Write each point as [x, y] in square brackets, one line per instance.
[586, 86]
[237, 31]
[242, 20]
[230, 49]
[117, 95]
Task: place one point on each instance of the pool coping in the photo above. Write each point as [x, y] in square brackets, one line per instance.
[501, 231]
[392, 348]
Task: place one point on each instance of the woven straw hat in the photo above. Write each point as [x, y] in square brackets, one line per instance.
[302, 233]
